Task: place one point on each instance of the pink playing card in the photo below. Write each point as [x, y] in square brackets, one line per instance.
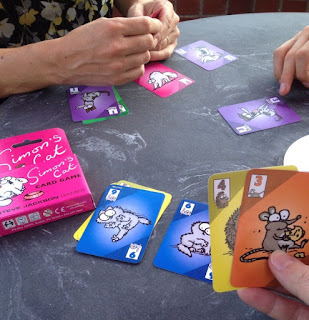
[162, 80]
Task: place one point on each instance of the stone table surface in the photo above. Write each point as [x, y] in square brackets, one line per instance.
[173, 144]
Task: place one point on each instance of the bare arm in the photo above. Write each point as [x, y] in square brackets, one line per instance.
[102, 52]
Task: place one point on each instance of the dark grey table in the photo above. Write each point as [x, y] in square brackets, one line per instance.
[173, 144]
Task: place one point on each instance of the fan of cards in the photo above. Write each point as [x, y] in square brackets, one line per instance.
[92, 104]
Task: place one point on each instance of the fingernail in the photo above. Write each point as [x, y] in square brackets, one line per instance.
[283, 87]
[280, 260]
[155, 41]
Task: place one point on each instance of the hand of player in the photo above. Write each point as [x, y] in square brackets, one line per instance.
[291, 60]
[167, 37]
[106, 51]
[293, 275]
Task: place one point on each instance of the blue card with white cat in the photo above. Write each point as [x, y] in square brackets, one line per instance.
[185, 248]
[121, 224]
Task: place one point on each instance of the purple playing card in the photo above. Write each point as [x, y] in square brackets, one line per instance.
[88, 103]
[257, 115]
[205, 55]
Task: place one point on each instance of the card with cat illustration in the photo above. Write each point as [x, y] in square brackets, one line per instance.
[123, 109]
[257, 115]
[167, 200]
[205, 55]
[121, 224]
[88, 103]
[163, 81]
[273, 216]
[185, 248]
[225, 192]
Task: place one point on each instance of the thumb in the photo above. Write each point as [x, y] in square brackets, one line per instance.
[291, 273]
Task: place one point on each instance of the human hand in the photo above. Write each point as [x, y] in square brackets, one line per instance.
[167, 37]
[105, 51]
[291, 60]
[293, 275]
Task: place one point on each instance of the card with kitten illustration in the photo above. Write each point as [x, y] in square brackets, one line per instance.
[121, 224]
[185, 248]
[273, 216]
[88, 103]
[163, 81]
[206, 55]
[167, 200]
[123, 109]
[225, 191]
[257, 115]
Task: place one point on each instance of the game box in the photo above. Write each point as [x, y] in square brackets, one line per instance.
[41, 181]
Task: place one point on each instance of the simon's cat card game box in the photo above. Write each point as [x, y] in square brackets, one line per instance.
[41, 181]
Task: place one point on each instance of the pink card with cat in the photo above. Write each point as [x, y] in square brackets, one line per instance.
[162, 80]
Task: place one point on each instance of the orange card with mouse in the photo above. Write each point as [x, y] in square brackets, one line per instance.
[273, 216]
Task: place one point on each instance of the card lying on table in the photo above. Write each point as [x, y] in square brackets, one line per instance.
[225, 192]
[123, 109]
[122, 224]
[185, 248]
[88, 103]
[257, 115]
[273, 216]
[162, 80]
[206, 55]
[167, 200]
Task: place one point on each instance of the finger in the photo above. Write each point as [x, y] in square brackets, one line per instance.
[134, 44]
[289, 65]
[279, 55]
[302, 64]
[170, 38]
[291, 273]
[164, 53]
[274, 305]
[141, 25]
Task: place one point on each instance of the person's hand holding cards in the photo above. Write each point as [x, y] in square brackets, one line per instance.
[293, 275]
[167, 36]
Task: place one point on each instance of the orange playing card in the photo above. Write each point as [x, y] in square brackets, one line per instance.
[273, 216]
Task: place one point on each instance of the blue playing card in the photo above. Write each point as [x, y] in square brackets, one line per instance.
[122, 224]
[185, 248]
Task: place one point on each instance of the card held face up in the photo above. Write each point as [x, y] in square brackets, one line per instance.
[185, 248]
[225, 192]
[162, 80]
[122, 224]
[273, 216]
[206, 55]
[257, 115]
[88, 103]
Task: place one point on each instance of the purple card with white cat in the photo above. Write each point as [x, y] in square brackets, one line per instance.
[257, 115]
[162, 80]
[205, 55]
[88, 103]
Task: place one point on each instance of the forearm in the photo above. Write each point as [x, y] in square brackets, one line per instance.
[27, 68]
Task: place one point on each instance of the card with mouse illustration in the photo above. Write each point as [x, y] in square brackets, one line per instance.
[205, 55]
[225, 191]
[121, 224]
[88, 103]
[273, 216]
[257, 115]
[167, 200]
[163, 81]
[185, 248]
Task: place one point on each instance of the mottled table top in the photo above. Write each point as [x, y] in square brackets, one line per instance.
[173, 144]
